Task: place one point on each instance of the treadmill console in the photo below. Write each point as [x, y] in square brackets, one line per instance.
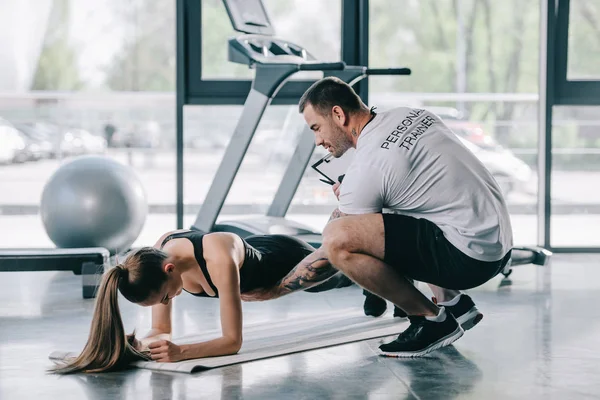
[259, 44]
[252, 49]
[249, 16]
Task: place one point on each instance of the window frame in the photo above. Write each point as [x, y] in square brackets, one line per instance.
[192, 89]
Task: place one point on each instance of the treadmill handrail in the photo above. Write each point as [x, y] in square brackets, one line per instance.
[389, 71]
[322, 66]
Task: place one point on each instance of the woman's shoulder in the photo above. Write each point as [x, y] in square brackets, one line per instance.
[222, 248]
[161, 240]
[221, 243]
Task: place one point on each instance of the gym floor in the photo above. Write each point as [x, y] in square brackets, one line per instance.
[538, 340]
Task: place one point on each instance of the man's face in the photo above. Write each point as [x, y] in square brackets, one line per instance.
[328, 129]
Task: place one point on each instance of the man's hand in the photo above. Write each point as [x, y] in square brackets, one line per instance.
[336, 190]
[165, 351]
[336, 186]
[260, 294]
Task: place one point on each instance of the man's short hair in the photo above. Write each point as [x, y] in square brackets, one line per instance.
[328, 92]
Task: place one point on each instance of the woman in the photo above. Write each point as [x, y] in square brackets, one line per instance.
[209, 265]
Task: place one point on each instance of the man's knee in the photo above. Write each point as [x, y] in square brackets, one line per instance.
[335, 237]
[336, 243]
[357, 234]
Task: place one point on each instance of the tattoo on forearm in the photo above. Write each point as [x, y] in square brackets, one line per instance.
[336, 214]
[313, 270]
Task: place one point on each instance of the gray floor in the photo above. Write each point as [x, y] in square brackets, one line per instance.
[540, 338]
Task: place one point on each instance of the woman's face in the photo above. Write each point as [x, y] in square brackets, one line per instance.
[170, 289]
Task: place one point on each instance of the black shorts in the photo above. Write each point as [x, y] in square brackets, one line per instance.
[418, 249]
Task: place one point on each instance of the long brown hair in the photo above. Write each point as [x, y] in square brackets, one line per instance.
[108, 348]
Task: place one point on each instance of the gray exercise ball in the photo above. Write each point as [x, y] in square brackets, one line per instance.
[94, 201]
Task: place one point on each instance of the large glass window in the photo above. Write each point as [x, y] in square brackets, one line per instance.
[290, 19]
[584, 40]
[207, 133]
[474, 63]
[575, 172]
[69, 89]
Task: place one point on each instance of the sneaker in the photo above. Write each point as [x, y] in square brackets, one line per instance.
[465, 312]
[374, 305]
[422, 337]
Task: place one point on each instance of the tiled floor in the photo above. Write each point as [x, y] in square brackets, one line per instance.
[540, 338]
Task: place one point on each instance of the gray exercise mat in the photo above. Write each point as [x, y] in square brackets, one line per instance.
[271, 339]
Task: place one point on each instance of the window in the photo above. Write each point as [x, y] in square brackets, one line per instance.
[584, 40]
[290, 19]
[475, 64]
[208, 130]
[575, 170]
[110, 48]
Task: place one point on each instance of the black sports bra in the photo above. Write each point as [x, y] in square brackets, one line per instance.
[196, 238]
[267, 258]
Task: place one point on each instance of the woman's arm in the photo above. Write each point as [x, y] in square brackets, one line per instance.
[161, 318]
[223, 254]
[161, 326]
[231, 324]
[161, 313]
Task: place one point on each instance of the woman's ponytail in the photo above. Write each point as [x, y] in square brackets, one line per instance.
[107, 347]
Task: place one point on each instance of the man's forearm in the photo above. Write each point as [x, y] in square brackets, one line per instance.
[311, 271]
[336, 214]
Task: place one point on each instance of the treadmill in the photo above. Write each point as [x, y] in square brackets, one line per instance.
[275, 61]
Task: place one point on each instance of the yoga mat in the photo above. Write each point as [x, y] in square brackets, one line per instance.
[271, 339]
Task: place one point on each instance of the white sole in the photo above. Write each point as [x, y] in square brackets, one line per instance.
[443, 342]
[470, 318]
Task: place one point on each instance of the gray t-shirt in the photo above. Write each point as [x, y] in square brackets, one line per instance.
[408, 161]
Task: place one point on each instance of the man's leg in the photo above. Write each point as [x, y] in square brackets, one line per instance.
[356, 246]
[441, 294]
[459, 304]
[373, 305]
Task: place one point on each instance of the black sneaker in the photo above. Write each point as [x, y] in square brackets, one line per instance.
[374, 305]
[422, 337]
[465, 312]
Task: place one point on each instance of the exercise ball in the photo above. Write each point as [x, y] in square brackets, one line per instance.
[94, 201]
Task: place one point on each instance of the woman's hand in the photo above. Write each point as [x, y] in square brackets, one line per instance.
[152, 336]
[166, 351]
[134, 342]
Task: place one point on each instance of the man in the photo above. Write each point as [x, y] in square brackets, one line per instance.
[449, 225]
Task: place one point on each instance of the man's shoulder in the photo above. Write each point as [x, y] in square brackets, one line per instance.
[402, 111]
[362, 164]
[372, 165]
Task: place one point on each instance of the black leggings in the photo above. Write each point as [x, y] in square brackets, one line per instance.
[277, 256]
